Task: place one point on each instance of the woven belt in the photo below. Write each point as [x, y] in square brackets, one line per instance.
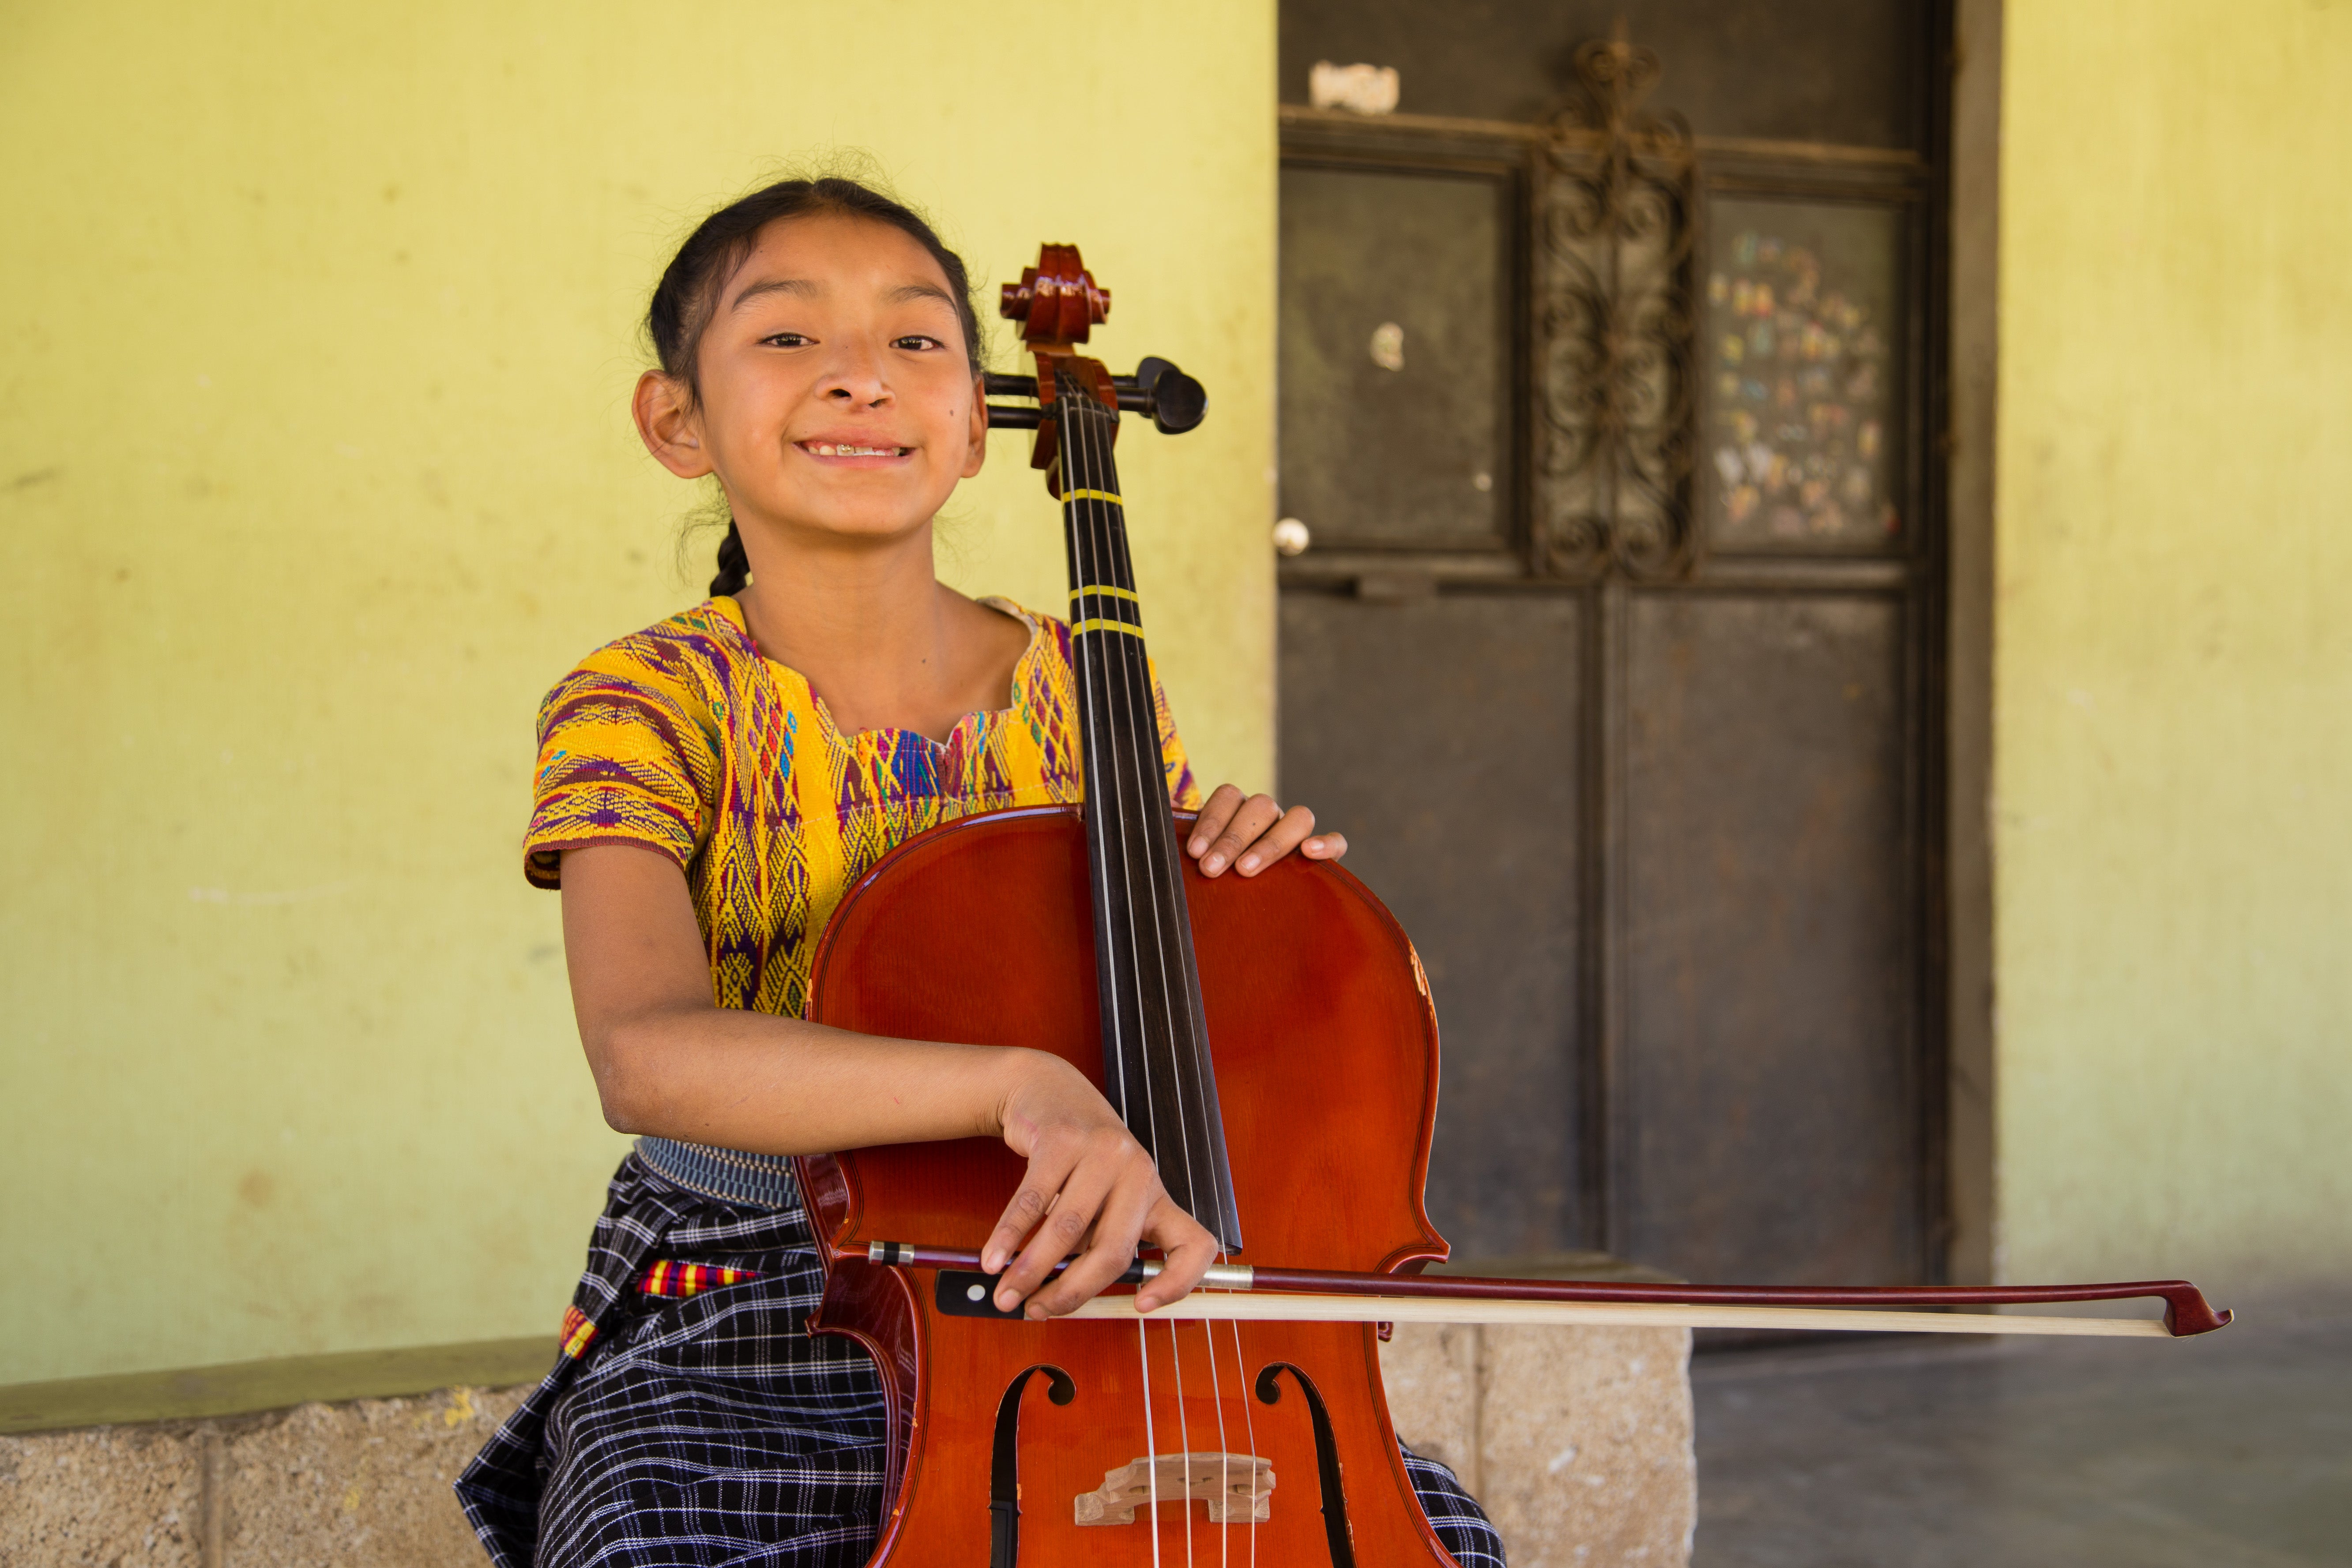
[756, 1181]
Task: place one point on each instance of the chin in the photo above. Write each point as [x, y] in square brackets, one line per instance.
[877, 525]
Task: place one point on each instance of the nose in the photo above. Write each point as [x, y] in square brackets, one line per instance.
[853, 377]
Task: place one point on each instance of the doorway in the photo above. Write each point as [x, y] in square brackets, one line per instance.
[1611, 396]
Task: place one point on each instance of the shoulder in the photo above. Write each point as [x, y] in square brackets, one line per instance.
[1049, 639]
[689, 660]
[707, 637]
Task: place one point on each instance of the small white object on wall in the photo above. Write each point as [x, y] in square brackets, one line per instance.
[1366, 90]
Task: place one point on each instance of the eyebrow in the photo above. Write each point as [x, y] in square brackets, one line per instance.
[808, 289]
[905, 291]
[801, 286]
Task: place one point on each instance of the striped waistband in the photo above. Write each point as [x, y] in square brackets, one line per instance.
[756, 1181]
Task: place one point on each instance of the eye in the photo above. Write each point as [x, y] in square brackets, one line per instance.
[786, 340]
[916, 341]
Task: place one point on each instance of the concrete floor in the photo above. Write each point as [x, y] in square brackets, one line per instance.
[2228, 1451]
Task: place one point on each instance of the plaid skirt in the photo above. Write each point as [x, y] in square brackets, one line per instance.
[693, 1420]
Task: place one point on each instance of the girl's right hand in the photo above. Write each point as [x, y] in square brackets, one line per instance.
[1091, 1188]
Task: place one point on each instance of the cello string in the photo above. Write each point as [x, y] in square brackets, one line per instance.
[1249, 1421]
[1224, 1454]
[1129, 725]
[1102, 655]
[1184, 1441]
[1151, 1446]
[1106, 802]
[1084, 436]
[1182, 1010]
[1182, 1004]
[1141, 725]
[1086, 443]
[1105, 805]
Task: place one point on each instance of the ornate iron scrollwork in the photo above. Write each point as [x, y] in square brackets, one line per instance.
[1616, 308]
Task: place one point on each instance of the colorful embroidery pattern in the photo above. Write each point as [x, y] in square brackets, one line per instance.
[665, 1277]
[576, 1334]
[683, 739]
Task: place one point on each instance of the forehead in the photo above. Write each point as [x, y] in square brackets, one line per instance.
[837, 253]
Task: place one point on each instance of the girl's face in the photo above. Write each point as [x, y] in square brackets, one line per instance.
[837, 398]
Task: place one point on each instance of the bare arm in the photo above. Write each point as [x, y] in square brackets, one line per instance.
[669, 1062]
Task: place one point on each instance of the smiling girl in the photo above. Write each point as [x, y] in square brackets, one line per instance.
[707, 791]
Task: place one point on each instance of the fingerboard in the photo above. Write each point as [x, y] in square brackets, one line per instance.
[1156, 1065]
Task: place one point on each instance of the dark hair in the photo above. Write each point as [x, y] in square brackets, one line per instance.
[688, 291]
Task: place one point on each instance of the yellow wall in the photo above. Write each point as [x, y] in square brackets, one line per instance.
[315, 471]
[2173, 717]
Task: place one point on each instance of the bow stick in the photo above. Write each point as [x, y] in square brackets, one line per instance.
[1240, 1292]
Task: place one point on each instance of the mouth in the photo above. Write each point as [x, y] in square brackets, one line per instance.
[845, 451]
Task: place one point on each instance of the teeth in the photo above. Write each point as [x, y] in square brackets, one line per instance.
[830, 449]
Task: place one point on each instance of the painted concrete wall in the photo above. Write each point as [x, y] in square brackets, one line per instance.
[2173, 709]
[315, 471]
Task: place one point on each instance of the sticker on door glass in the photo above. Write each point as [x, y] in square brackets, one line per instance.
[1804, 395]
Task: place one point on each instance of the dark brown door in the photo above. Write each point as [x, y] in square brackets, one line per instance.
[1606, 386]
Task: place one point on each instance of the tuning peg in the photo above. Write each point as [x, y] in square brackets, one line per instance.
[1175, 401]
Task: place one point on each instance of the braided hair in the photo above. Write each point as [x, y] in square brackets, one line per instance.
[688, 291]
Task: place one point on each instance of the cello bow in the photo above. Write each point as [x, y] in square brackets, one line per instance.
[1248, 1293]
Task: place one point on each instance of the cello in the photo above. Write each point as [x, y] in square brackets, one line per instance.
[1272, 1043]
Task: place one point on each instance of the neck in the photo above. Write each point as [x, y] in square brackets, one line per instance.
[870, 627]
[874, 605]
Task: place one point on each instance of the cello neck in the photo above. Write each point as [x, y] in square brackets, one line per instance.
[1156, 1065]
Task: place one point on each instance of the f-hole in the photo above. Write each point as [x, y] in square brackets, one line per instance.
[1326, 1459]
[1005, 1465]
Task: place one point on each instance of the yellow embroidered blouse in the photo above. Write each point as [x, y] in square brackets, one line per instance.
[685, 739]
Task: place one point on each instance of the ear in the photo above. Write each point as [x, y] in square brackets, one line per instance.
[977, 452]
[669, 424]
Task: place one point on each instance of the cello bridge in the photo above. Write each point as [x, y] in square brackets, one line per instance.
[1238, 1488]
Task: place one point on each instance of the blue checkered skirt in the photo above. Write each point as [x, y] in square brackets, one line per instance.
[713, 1428]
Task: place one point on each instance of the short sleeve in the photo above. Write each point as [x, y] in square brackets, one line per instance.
[621, 761]
[1184, 790]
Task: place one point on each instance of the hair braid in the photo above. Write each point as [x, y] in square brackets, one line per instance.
[734, 565]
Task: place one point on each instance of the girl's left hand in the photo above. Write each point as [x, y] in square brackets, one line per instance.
[1250, 833]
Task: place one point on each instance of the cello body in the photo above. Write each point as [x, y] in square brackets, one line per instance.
[1324, 1049]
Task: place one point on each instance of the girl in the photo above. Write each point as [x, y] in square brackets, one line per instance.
[707, 791]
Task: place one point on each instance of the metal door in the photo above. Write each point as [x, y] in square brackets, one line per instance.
[1607, 385]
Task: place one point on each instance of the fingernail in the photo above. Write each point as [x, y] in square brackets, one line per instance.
[1197, 846]
[990, 1263]
[1213, 864]
[1249, 862]
[1006, 1300]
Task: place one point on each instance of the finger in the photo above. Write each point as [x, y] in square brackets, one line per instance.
[1214, 813]
[1057, 1237]
[1048, 1169]
[1256, 815]
[1278, 840]
[1188, 1249]
[1110, 1248]
[1324, 846]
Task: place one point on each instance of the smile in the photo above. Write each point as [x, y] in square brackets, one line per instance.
[842, 449]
